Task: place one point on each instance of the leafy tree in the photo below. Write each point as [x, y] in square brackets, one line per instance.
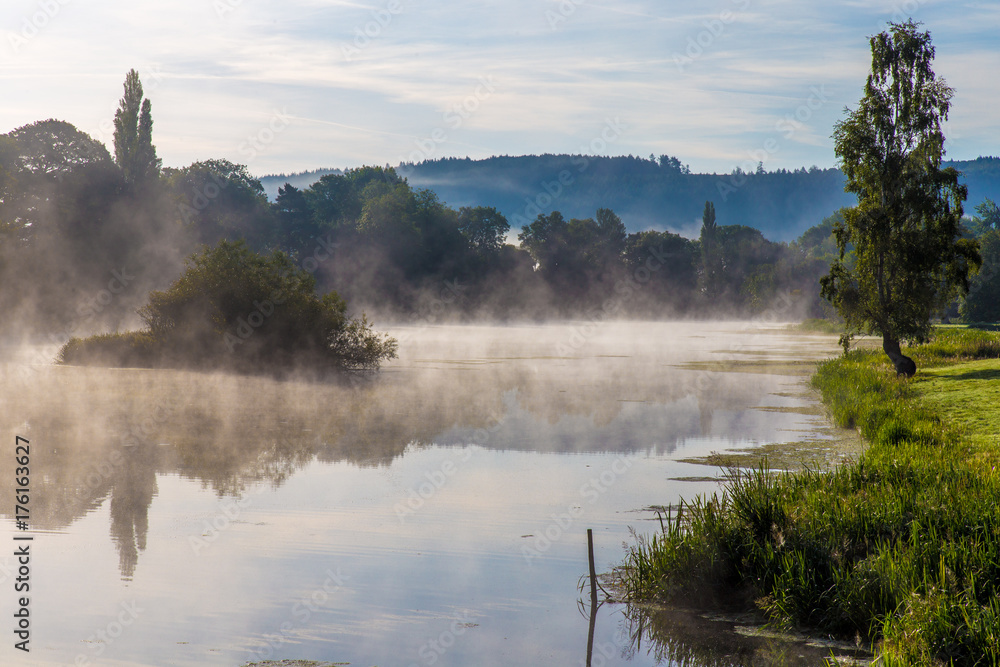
[15, 229]
[982, 303]
[987, 218]
[611, 235]
[134, 150]
[819, 241]
[579, 258]
[337, 200]
[296, 227]
[673, 165]
[67, 189]
[56, 173]
[910, 261]
[388, 221]
[484, 227]
[219, 199]
[542, 238]
[442, 245]
[56, 148]
[741, 249]
[675, 260]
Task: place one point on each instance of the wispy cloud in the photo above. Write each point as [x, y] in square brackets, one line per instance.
[363, 82]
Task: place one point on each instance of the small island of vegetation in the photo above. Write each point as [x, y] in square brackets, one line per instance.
[236, 310]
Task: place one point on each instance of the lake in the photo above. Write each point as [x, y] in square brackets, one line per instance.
[435, 514]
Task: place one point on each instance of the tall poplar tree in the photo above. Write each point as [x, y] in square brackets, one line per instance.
[910, 259]
[134, 150]
[711, 256]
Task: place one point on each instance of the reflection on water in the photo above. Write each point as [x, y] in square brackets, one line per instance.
[689, 639]
[132, 493]
[450, 492]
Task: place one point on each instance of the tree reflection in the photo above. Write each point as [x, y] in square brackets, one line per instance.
[108, 433]
[685, 638]
[132, 493]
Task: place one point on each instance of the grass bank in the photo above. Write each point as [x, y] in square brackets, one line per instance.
[899, 550]
[817, 325]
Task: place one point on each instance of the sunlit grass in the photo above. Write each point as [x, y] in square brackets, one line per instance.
[900, 548]
[818, 325]
[967, 396]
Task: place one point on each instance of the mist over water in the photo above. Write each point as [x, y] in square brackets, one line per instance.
[433, 514]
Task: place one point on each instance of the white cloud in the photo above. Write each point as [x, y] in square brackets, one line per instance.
[373, 98]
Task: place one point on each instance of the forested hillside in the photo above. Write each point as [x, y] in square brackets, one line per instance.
[647, 193]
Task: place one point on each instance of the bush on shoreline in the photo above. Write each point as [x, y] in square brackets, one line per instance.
[900, 548]
[234, 309]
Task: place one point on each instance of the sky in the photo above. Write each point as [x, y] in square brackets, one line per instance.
[306, 84]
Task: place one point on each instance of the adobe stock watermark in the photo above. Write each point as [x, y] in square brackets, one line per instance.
[453, 118]
[901, 11]
[625, 291]
[33, 24]
[701, 42]
[224, 7]
[104, 637]
[450, 293]
[88, 310]
[265, 136]
[229, 511]
[140, 434]
[100, 473]
[381, 18]
[201, 198]
[591, 491]
[604, 652]
[433, 649]
[566, 9]
[152, 77]
[435, 480]
[787, 126]
[301, 611]
[263, 310]
[551, 191]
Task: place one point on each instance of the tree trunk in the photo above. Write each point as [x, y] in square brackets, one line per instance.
[904, 365]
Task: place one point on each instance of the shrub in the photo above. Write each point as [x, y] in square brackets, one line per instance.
[233, 308]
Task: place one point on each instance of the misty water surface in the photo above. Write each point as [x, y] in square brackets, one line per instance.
[434, 514]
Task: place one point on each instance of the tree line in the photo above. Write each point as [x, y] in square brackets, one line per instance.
[86, 236]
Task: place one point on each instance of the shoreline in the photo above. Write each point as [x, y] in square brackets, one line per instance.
[892, 550]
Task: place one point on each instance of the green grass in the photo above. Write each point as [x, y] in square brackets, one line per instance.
[953, 344]
[967, 396]
[123, 349]
[817, 325]
[900, 548]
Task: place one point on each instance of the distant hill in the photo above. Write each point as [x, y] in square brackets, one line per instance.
[301, 180]
[646, 193]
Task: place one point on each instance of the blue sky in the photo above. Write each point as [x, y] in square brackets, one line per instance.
[302, 84]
